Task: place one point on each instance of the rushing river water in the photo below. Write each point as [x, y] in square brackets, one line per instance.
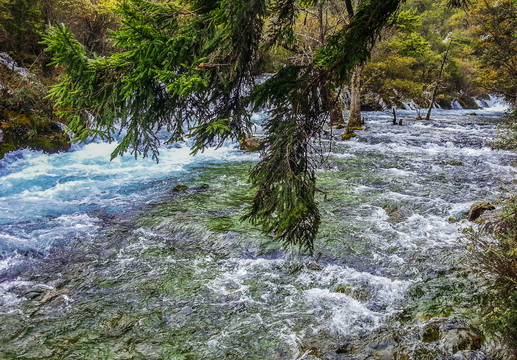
[102, 260]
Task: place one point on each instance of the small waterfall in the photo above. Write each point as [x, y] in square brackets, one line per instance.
[455, 105]
[9, 62]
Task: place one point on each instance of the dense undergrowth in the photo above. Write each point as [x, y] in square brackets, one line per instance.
[27, 117]
[507, 139]
[493, 247]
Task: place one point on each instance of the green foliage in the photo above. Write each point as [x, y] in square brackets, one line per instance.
[176, 66]
[507, 136]
[285, 178]
[27, 118]
[406, 63]
[352, 45]
[191, 65]
[407, 21]
[494, 253]
[496, 22]
[20, 26]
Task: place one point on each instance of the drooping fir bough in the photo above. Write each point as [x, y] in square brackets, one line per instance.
[191, 65]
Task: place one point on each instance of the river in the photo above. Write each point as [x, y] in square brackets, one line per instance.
[101, 259]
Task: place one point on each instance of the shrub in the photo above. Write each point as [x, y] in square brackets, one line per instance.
[507, 137]
[493, 247]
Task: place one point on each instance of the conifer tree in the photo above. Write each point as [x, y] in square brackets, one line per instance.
[190, 65]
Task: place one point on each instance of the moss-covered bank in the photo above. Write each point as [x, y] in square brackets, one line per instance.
[27, 118]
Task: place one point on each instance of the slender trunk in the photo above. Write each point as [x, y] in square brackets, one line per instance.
[321, 25]
[435, 91]
[336, 110]
[349, 8]
[331, 99]
[354, 120]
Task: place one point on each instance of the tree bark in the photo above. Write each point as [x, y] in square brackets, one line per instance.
[435, 91]
[336, 110]
[354, 120]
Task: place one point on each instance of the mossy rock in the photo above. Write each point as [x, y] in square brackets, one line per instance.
[348, 136]
[467, 102]
[343, 289]
[455, 163]
[5, 148]
[444, 101]
[354, 291]
[477, 209]
[355, 128]
[180, 187]
[431, 332]
[314, 266]
[51, 143]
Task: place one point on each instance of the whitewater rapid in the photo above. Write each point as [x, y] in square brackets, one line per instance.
[172, 275]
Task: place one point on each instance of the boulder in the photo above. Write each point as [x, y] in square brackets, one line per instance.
[454, 340]
[180, 187]
[348, 136]
[477, 209]
[453, 336]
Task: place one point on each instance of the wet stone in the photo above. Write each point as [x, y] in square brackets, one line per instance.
[431, 333]
[314, 266]
[468, 355]
[180, 187]
[477, 209]
[455, 163]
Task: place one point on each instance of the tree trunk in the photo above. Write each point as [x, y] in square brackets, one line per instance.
[334, 106]
[336, 110]
[435, 91]
[354, 120]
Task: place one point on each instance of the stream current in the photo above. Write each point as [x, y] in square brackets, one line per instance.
[102, 260]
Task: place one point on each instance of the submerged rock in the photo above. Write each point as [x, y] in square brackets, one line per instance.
[455, 163]
[180, 187]
[454, 340]
[51, 295]
[468, 355]
[452, 336]
[479, 208]
[314, 266]
[348, 136]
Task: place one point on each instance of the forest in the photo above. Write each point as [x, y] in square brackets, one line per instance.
[258, 179]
